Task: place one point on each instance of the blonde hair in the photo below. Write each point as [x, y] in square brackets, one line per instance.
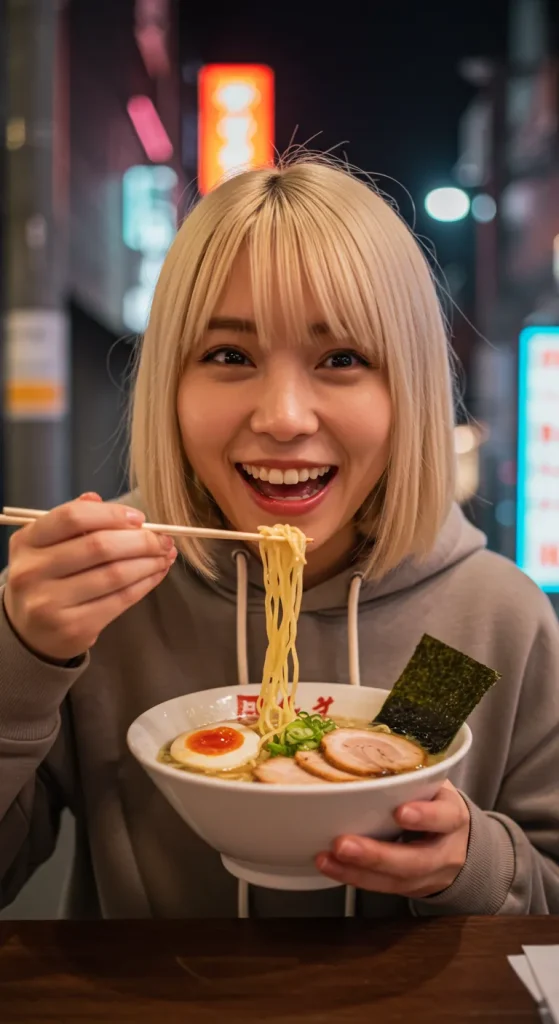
[306, 223]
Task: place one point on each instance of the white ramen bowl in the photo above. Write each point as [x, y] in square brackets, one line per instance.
[269, 835]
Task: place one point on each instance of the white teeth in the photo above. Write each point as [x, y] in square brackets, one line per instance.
[291, 476]
[286, 476]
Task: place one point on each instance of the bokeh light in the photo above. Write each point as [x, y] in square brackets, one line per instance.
[447, 204]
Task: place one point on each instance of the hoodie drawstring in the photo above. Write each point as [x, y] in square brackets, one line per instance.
[241, 560]
[355, 680]
[242, 617]
[353, 629]
[242, 679]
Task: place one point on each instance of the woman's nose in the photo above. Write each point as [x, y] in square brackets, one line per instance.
[285, 408]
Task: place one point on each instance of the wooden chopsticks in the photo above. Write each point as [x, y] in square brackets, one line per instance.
[21, 516]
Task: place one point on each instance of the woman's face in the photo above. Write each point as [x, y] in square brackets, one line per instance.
[294, 435]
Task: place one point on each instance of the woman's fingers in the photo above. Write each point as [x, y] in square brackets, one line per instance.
[100, 548]
[108, 579]
[79, 517]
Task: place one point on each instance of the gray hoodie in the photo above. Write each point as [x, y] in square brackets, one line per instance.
[63, 734]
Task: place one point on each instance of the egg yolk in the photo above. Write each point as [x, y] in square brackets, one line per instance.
[214, 741]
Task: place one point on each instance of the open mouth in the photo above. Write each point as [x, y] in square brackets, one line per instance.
[289, 484]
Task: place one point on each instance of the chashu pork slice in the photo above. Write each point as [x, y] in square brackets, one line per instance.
[315, 763]
[366, 752]
[283, 771]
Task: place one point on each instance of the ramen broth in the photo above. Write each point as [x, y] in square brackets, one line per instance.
[246, 772]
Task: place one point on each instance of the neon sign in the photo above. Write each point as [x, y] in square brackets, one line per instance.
[149, 129]
[537, 551]
[149, 223]
[235, 120]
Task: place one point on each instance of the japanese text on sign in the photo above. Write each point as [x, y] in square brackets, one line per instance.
[247, 706]
[538, 456]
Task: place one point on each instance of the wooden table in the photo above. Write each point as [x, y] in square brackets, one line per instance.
[244, 972]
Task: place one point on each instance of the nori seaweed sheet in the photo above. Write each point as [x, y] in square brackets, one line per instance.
[437, 691]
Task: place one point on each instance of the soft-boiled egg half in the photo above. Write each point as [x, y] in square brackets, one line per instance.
[216, 747]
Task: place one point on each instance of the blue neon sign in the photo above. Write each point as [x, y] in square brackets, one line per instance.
[537, 548]
[149, 224]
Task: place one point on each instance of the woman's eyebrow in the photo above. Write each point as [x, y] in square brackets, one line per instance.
[243, 326]
[232, 323]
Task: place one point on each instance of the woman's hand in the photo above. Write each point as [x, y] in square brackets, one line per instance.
[422, 867]
[74, 570]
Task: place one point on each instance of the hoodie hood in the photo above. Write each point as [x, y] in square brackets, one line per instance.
[457, 540]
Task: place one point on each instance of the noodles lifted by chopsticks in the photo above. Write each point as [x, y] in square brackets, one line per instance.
[283, 582]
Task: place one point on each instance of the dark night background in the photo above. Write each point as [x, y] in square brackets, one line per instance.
[382, 78]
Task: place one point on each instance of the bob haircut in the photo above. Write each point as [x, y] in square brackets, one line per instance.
[306, 223]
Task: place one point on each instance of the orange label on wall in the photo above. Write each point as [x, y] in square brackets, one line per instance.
[33, 396]
[235, 120]
[36, 365]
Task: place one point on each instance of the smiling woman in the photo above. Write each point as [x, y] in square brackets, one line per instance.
[284, 430]
[295, 380]
[300, 380]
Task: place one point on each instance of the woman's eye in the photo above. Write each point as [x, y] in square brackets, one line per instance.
[227, 357]
[343, 361]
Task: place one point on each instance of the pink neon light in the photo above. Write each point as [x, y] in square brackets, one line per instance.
[151, 44]
[149, 129]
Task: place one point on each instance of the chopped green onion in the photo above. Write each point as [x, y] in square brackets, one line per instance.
[295, 733]
[275, 748]
[304, 733]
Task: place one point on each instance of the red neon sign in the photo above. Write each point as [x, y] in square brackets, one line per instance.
[235, 120]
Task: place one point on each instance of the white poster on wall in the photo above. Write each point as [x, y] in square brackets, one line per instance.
[36, 365]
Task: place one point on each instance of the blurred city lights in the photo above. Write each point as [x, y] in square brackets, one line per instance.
[505, 512]
[16, 133]
[148, 209]
[150, 129]
[484, 208]
[468, 439]
[235, 122]
[152, 25]
[149, 221]
[517, 203]
[465, 439]
[447, 204]
[537, 490]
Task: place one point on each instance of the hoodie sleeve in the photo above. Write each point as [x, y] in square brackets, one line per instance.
[512, 865]
[36, 759]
